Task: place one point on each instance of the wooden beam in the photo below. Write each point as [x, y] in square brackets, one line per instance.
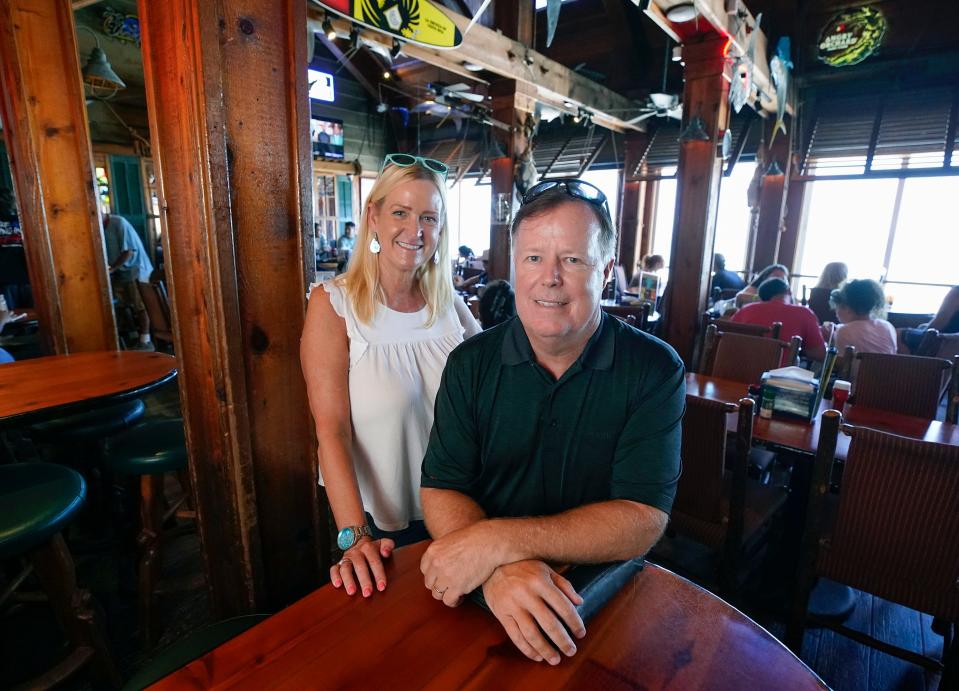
[700, 172]
[549, 81]
[506, 97]
[796, 209]
[234, 169]
[45, 120]
[635, 145]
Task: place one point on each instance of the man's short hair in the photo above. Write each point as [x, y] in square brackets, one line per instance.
[772, 287]
[349, 224]
[719, 262]
[558, 196]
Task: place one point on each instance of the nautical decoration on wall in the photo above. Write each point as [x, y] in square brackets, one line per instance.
[123, 27]
[851, 36]
[416, 21]
[779, 68]
[742, 85]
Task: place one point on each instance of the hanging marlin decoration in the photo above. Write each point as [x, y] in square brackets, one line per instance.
[742, 85]
[780, 67]
[552, 19]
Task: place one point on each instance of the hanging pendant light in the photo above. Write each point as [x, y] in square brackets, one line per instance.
[98, 73]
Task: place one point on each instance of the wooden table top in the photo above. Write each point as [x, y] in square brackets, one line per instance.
[660, 631]
[61, 382]
[799, 435]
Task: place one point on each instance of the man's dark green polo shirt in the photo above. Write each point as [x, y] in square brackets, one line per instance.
[523, 444]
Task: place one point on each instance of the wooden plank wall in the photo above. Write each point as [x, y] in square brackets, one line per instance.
[42, 106]
[227, 93]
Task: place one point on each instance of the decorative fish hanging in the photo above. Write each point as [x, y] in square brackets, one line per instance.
[552, 19]
[742, 85]
[779, 68]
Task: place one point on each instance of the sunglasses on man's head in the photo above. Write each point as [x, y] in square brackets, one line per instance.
[578, 189]
[408, 160]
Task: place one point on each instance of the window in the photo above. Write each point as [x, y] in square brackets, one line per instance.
[663, 218]
[468, 216]
[608, 182]
[911, 249]
[734, 217]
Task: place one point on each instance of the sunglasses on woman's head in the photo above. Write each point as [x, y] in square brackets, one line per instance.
[578, 189]
[408, 160]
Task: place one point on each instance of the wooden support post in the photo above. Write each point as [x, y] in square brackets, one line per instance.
[636, 145]
[795, 212]
[235, 175]
[705, 95]
[647, 229]
[772, 199]
[45, 120]
[507, 102]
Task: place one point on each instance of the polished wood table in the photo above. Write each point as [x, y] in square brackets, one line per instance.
[802, 436]
[660, 631]
[66, 383]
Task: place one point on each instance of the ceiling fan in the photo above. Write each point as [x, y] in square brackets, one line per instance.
[660, 105]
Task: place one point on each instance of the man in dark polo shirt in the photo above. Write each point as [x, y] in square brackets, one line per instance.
[557, 433]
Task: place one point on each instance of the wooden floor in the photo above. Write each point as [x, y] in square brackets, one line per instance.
[849, 666]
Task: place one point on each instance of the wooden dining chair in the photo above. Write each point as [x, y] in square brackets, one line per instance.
[635, 315]
[717, 505]
[890, 532]
[905, 384]
[744, 358]
[952, 407]
[730, 326]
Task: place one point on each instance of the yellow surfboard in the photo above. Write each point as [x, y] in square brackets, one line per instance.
[416, 21]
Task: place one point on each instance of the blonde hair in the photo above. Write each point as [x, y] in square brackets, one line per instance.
[361, 280]
[833, 275]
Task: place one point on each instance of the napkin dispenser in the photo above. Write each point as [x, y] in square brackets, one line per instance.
[791, 390]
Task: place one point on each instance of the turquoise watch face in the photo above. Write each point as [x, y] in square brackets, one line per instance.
[345, 538]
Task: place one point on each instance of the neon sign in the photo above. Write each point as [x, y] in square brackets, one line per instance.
[851, 36]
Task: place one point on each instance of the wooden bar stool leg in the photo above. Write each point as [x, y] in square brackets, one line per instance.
[74, 610]
[148, 546]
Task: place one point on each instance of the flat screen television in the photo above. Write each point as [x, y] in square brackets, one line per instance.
[327, 137]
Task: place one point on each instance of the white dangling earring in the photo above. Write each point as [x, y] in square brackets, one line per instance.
[375, 244]
[436, 257]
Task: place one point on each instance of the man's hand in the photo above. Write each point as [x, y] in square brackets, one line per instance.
[459, 562]
[529, 598]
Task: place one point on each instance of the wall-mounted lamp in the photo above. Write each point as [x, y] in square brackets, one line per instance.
[682, 12]
[328, 29]
[695, 131]
[98, 74]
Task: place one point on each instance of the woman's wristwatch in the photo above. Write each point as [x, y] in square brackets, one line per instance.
[351, 534]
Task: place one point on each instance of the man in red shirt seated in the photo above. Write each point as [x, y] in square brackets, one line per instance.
[776, 306]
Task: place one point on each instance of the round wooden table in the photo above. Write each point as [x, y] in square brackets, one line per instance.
[659, 632]
[66, 383]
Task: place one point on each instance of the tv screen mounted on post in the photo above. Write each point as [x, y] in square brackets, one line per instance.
[327, 137]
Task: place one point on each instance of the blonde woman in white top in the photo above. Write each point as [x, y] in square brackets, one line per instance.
[373, 350]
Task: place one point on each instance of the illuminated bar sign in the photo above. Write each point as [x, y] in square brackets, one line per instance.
[851, 36]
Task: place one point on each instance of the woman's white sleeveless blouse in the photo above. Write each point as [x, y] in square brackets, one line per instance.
[396, 363]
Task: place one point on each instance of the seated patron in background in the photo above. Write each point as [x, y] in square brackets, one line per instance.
[346, 241]
[946, 320]
[724, 279]
[471, 284]
[776, 306]
[374, 345]
[563, 425]
[833, 276]
[650, 264]
[751, 292]
[860, 305]
[497, 305]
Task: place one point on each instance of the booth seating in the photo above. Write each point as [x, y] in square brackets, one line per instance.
[39, 501]
[149, 451]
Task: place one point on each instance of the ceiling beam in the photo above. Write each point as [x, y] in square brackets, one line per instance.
[545, 80]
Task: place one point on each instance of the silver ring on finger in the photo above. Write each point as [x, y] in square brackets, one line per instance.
[345, 561]
[439, 592]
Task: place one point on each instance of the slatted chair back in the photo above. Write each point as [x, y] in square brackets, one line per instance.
[893, 533]
[952, 408]
[744, 358]
[634, 315]
[729, 326]
[905, 384]
[700, 490]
